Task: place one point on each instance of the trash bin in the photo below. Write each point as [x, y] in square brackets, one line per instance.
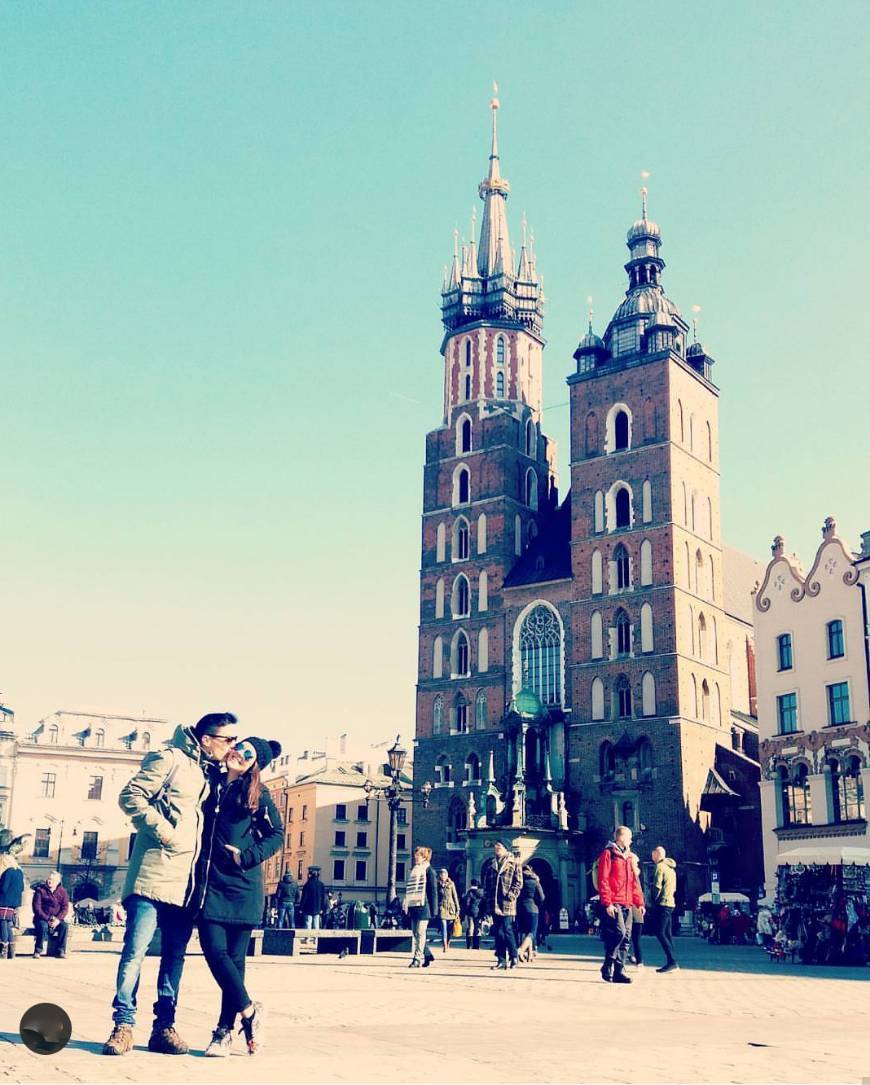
[360, 919]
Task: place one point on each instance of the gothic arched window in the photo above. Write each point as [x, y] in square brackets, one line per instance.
[146, 740]
[499, 350]
[459, 600]
[530, 438]
[437, 715]
[540, 647]
[623, 507]
[623, 698]
[480, 711]
[596, 635]
[460, 656]
[460, 715]
[623, 568]
[461, 486]
[645, 754]
[531, 488]
[499, 385]
[623, 634]
[465, 435]
[620, 432]
[460, 539]
[437, 658]
[472, 769]
[597, 699]
[467, 352]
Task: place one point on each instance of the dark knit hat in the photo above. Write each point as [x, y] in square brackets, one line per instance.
[266, 750]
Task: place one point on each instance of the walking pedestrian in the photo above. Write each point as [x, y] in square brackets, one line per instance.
[313, 899]
[164, 801]
[11, 890]
[246, 831]
[618, 889]
[50, 907]
[529, 902]
[637, 918]
[472, 904]
[421, 904]
[663, 889]
[448, 907]
[286, 896]
[504, 881]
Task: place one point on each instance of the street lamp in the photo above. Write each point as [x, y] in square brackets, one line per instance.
[396, 755]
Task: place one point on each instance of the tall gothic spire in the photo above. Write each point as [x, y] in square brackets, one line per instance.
[493, 255]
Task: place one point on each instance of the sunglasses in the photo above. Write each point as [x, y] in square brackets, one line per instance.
[225, 738]
[246, 753]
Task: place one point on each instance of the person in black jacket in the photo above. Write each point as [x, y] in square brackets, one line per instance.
[530, 900]
[246, 830]
[11, 890]
[472, 905]
[285, 898]
[312, 902]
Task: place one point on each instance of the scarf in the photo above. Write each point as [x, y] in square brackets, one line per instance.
[415, 888]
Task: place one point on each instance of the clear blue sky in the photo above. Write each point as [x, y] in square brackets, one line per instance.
[222, 228]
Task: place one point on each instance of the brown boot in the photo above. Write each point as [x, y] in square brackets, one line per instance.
[166, 1041]
[120, 1042]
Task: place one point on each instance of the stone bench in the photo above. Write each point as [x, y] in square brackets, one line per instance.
[286, 942]
[381, 941]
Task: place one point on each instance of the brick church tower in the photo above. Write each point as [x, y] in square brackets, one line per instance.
[488, 483]
[582, 664]
[650, 680]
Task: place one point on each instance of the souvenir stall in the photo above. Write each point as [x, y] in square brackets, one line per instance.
[822, 908]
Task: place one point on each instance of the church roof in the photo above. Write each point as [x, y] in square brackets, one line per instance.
[715, 785]
[548, 557]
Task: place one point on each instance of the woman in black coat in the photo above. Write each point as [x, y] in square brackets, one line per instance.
[246, 830]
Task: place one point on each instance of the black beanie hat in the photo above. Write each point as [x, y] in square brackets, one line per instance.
[266, 750]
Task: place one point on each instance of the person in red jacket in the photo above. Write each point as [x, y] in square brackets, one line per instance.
[50, 907]
[618, 890]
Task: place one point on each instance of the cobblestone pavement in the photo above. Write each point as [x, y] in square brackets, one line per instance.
[727, 1015]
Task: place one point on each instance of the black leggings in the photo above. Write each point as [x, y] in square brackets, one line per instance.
[225, 946]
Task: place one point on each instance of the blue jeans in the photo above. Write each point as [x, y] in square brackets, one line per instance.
[287, 915]
[143, 918]
[312, 922]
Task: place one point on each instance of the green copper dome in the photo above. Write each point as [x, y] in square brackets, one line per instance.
[528, 703]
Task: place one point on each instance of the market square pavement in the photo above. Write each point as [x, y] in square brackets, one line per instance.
[727, 1015]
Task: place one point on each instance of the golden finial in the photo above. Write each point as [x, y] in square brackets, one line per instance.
[696, 309]
[644, 175]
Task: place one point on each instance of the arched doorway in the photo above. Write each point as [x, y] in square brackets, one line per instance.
[550, 886]
[86, 890]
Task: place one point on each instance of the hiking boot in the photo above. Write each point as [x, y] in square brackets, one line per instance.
[120, 1042]
[607, 971]
[166, 1041]
[253, 1029]
[221, 1042]
[619, 976]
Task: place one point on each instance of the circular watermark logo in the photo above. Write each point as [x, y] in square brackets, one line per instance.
[45, 1028]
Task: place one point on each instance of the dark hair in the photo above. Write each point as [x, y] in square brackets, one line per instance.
[210, 722]
[250, 790]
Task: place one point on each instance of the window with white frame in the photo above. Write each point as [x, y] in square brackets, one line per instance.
[437, 658]
[597, 699]
[440, 543]
[482, 592]
[648, 692]
[481, 533]
[461, 485]
[460, 598]
[460, 656]
[460, 539]
[438, 715]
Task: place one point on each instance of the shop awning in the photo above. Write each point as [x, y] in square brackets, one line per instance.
[832, 855]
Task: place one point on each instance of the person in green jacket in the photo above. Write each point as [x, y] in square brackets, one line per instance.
[164, 801]
[662, 898]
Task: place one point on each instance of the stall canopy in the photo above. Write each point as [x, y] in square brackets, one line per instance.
[826, 856]
[724, 898]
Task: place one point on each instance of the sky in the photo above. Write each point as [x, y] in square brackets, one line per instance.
[222, 229]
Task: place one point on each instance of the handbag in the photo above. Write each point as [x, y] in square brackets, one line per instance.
[457, 927]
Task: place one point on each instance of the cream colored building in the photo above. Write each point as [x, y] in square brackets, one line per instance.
[7, 760]
[329, 822]
[813, 700]
[67, 775]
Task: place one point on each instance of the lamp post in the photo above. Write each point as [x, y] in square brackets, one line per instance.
[55, 821]
[393, 794]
